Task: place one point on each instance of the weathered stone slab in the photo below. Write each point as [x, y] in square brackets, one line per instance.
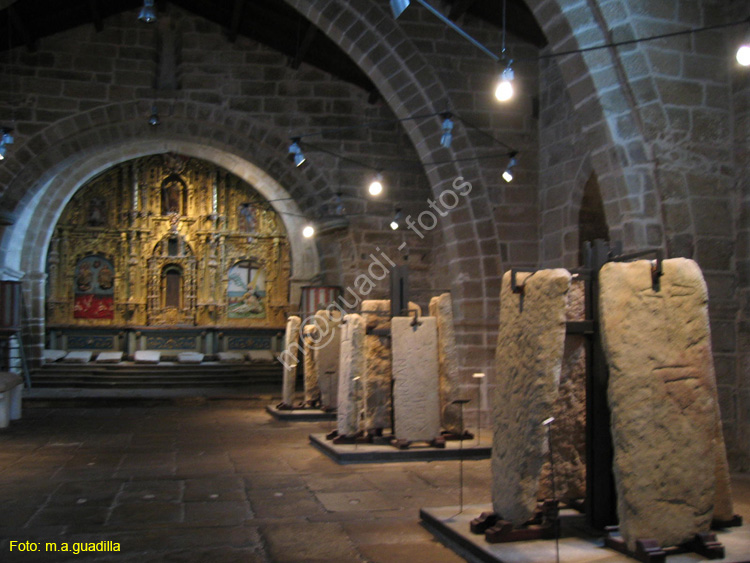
[289, 359]
[441, 308]
[377, 385]
[53, 355]
[77, 357]
[329, 331]
[260, 356]
[352, 370]
[528, 363]
[147, 356]
[231, 357]
[568, 431]
[662, 395]
[416, 398]
[109, 357]
[189, 358]
[309, 339]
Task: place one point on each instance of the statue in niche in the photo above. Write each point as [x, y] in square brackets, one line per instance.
[247, 220]
[172, 195]
[97, 215]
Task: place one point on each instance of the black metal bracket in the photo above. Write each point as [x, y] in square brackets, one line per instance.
[657, 270]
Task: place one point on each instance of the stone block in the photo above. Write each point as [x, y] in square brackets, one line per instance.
[232, 357]
[441, 308]
[351, 373]
[528, 363]
[289, 359]
[147, 356]
[189, 358]
[310, 338]
[329, 331]
[109, 358]
[77, 357]
[260, 356]
[416, 401]
[663, 399]
[49, 356]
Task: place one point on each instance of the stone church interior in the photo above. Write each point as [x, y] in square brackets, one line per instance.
[376, 280]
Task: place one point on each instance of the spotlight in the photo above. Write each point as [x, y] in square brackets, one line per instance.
[398, 6]
[445, 140]
[376, 188]
[308, 231]
[5, 140]
[3, 150]
[504, 90]
[154, 119]
[148, 12]
[396, 219]
[294, 150]
[743, 53]
[508, 174]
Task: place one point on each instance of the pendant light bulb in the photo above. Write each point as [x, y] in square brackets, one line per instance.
[308, 231]
[376, 187]
[743, 54]
[504, 89]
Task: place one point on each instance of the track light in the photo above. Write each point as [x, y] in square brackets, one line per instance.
[148, 12]
[376, 187]
[743, 53]
[154, 119]
[296, 152]
[396, 220]
[5, 140]
[308, 231]
[508, 174]
[447, 138]
[398, 6]
[504, 89]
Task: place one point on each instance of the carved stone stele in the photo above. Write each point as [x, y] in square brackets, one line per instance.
[351, 372]
[528, 361]
[291, 349]
[441, 307]
[663, 399]
[329, 331]
[310, 339]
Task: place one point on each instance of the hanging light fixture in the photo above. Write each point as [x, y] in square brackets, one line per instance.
[376, 187]
[743, 53]
[398, 6]
[154, 120]
[148, 12]
[5, 140]
[395, 223]
[447, 138]
[308, 231]
[296, 152]
[504, 88]
[508, 174]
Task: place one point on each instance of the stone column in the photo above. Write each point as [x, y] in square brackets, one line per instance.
[329, 335]
[416, 401]
[663, 399]
[441, 308]
[352, 370]
[289, 360]
[310, 339]
[528, 362]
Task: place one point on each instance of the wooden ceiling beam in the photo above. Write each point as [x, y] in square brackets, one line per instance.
[96, 14]
[459, 8]
[304, 46]
[234, 25]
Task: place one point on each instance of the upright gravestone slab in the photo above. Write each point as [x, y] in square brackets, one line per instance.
[351, 371]
[568, 431]
[329, 331]
[528, 362]
[416, 400]
[662, 396]
[289, 356]
[441, 308]
[377, 384]
[310, 339]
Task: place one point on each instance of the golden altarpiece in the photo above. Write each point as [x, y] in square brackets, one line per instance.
[167, 242]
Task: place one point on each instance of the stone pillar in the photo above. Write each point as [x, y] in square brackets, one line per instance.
[528, 362]
[416, 400]
[329, 343]
[310, 340]
[289, 360]
[352, 370]
[441, 308]
[34, 310]
[663, 400]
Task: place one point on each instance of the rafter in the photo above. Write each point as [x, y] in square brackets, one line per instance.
[234, 26]
[304, 45]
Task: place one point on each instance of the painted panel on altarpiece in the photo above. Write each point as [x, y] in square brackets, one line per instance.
[94, 288]
[246, 292]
